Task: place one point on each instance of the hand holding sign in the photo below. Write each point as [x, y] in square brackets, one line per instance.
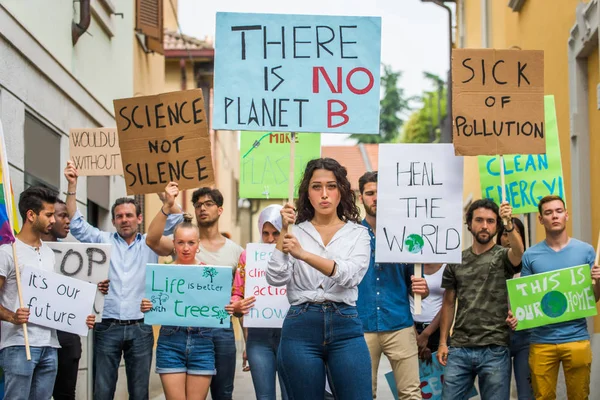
[506, 215]
[71, 172]
[21, 316]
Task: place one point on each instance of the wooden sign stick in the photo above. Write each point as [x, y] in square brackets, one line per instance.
[597, 255]
[291, 179]
[503, 184]
[20, 295]
[417, 297]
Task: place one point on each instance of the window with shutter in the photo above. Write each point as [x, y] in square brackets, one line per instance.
[149, 22]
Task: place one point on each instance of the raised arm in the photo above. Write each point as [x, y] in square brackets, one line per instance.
[515, 253]
[162, 245]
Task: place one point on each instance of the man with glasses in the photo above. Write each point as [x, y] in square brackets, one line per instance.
[215, 249]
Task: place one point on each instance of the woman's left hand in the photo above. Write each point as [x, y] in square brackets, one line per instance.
[292, 246]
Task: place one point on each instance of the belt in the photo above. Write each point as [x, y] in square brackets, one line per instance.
[122, 321]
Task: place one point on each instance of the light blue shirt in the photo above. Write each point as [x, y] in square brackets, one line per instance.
[127, 272]
[541, 258]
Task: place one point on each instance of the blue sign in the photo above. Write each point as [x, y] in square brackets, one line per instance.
[188, 295]
[297, 73]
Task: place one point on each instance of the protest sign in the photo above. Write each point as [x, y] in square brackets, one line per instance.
[95, 151]
[528, 178]
[271, 302]
[188, 295]
[432, 380]
[556, 296]
[419, 205]
[164, 138]
[265, 162]
[57, 301]
[498, 102]
[88, 262]
[297, 73]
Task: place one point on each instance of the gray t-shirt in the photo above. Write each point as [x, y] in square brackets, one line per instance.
[227, 255]
[41, 258]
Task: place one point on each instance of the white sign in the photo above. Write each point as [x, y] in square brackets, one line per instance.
[419, 204]
[85, 261]
[56, 301]
[271, 302]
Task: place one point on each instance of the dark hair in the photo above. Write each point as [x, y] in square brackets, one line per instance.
[548, 199]
[126, 200]
[516, 222]
[59, 201]
[33, 198]
[346, 210]
[368, 177]
[482, 203]
[187, 223]
[214, 194]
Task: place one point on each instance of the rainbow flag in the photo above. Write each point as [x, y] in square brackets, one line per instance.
[8, 213]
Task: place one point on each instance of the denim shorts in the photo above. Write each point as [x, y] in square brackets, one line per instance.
[185, 350]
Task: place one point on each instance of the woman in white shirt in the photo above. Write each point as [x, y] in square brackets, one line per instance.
[322, 260]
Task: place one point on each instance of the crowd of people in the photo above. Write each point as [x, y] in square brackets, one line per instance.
[346, 310]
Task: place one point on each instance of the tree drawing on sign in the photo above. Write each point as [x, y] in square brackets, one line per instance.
[160, 298]
[221, 315]
[210, 272]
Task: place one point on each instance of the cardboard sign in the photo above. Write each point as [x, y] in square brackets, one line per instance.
[188, 295]
[498, 102]
[432, 380]
[556, 296]
[88, 262]
[164, 138]
[297, 73]
[272, 304]
[419, 205]
[265, 162]
[56, 301]
[95, 151]
[528, 178]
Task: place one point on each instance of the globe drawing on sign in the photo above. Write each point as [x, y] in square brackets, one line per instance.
[554, 304]
[414, 243]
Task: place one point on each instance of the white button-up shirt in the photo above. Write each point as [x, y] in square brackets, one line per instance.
[350, 249]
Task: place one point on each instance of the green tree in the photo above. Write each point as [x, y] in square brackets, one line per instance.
[210, 272]
[423, 125]
[392, 105]
[222, 315]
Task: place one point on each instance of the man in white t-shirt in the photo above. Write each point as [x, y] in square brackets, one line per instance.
[215, 249]
[28, 379]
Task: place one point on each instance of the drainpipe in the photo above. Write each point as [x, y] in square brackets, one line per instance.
[78, 29]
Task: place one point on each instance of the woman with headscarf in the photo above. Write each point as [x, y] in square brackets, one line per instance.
[261, 343]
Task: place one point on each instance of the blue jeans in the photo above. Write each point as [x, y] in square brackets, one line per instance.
[490, 363]
[134, 342]
[185, 350]
[221, 386]
[261, 349]
[519, 351]
[316, 336]
[29, 380]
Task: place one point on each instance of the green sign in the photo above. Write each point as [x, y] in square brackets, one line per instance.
[528, 177]
[555, 296]
[265, 162]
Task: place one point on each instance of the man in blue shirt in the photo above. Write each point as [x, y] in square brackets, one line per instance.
[384, 307]
[122, 331]
[566, 342]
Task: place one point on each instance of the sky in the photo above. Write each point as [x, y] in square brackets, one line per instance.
[414, 34]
